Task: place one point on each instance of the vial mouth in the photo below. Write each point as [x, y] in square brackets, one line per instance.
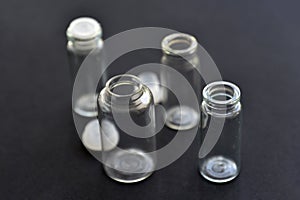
[179, 44]
[221, 93]
[124, 85]
[83, 29]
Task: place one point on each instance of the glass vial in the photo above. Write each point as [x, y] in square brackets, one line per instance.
[84, 39]
[126, 105]
[221, 101]
[180, 53]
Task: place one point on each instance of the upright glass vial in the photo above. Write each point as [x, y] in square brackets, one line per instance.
[126, 105]
[180, 53]
[84, 38]
[221, 160]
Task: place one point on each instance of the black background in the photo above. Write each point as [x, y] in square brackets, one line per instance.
[254, 43]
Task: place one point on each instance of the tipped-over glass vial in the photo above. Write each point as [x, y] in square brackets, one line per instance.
[220, 153]
[180, 53]
[126, 105]
[84, 39]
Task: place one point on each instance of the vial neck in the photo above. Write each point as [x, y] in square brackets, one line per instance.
[85, 46]
[181, 61]
[221, 110]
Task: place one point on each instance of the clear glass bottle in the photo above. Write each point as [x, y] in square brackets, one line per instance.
[180, 53]
[221, 103]
[84, 39]
[127, 105]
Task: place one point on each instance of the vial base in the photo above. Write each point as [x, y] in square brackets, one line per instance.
[129, 166]
[86, 106]
[91, 136]
[182, 118]
[219, 169]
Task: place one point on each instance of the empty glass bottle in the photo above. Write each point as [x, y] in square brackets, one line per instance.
[180, 54]
[220, 154]
[84, 39]
[126, 105]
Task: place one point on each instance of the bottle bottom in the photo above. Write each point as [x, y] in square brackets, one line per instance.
[129, 166]
[86, 106]
[91, 136]
[182, 118]
[219, 169]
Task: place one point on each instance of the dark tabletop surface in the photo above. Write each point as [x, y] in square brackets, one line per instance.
[255, 44]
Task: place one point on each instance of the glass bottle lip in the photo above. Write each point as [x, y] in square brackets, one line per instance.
[121, 80]
[189, 43]
[221, 93]
[84, 29]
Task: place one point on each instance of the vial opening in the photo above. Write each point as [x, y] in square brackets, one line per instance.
[221, 93]
[179, 44]
[124, 85]
[84, 28]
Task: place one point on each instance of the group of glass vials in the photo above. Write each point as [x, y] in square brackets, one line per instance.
[124, 127]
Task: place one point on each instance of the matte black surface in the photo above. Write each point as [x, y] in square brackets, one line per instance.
[255, 44]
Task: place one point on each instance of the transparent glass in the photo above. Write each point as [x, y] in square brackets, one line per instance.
[221, 101]
[126, 106]
[153, 81]
[84, 39]
[180, 54]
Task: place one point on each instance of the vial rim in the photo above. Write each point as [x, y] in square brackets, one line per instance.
[72, 35]
[235, 98]
[134, 81]
[167, 41]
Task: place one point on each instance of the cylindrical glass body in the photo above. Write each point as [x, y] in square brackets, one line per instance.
[84, 39]
[126, 106]
[221, 103]
[180, 54]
